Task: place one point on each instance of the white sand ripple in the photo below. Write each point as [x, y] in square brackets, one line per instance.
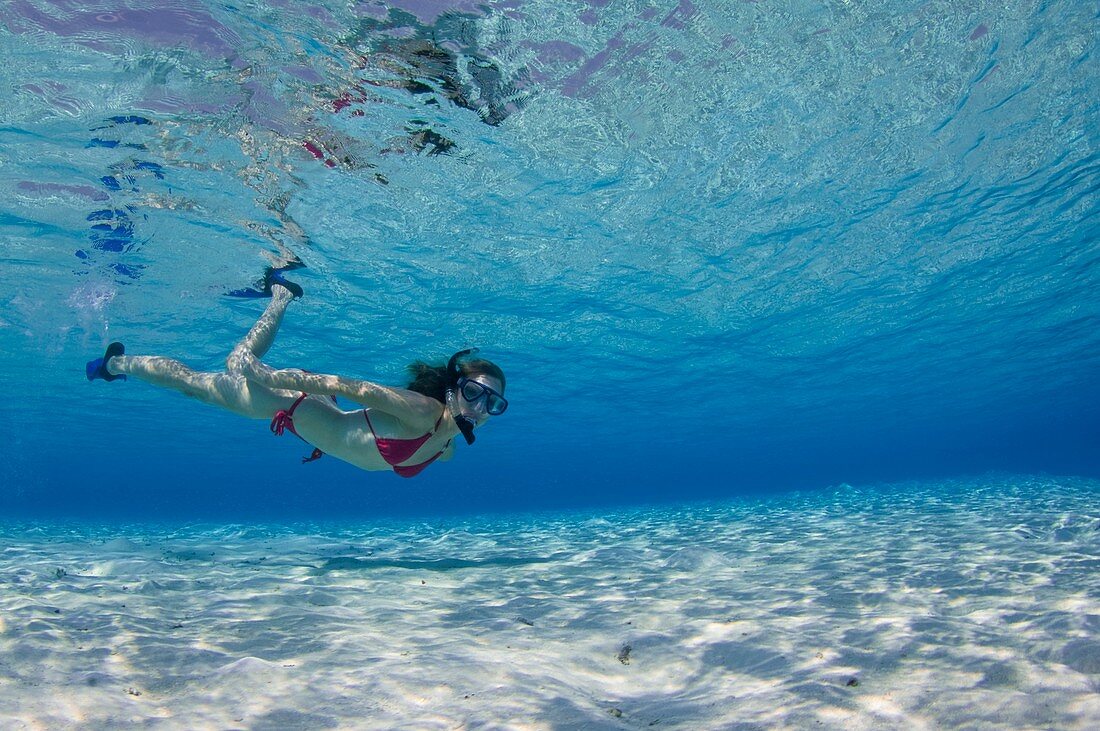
[971, 604]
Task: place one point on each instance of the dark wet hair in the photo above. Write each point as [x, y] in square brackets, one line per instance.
[431, 380]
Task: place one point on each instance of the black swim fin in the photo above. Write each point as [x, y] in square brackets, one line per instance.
[98, 368]
[272, 276]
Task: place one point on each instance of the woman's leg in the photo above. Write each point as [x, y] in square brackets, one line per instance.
[260, 338]
[229, 391]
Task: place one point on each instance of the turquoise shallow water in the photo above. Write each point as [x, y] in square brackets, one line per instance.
[728, 249]
[798, 304]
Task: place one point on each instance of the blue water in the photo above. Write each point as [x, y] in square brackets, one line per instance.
[798, 302]
[719, 249]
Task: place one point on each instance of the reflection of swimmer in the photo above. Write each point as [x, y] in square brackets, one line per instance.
[436, 64]
[403, 429]
[432, 61]
[478, 84]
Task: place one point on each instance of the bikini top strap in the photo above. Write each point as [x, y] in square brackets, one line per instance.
[370, 425]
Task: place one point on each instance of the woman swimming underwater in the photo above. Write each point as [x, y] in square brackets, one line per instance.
[405, 429]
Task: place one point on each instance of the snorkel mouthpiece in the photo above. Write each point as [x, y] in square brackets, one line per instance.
[464, 423]
[466, 426]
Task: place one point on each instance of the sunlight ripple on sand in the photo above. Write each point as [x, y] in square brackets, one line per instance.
[910, 606]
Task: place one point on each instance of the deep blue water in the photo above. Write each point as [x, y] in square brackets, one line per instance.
[719, 249]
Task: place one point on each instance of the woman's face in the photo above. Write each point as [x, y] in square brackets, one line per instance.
[478, 395]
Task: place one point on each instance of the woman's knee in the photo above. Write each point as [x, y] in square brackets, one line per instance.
[235, 362]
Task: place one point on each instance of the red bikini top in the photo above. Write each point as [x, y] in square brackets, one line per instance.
[395, 451]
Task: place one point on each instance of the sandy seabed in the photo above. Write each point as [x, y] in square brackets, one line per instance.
[965, 604]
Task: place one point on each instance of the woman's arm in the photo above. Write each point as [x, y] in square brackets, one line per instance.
[409, 406]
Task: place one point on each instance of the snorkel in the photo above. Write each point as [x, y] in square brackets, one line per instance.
[465, 424]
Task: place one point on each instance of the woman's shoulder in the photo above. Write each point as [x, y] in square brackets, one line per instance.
[419, 406]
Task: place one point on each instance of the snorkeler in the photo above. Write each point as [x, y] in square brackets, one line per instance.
[405, 429]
